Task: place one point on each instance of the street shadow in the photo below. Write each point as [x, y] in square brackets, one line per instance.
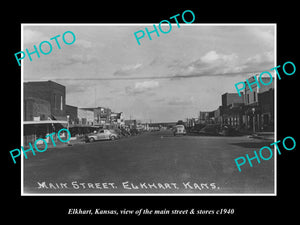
[171, 136]
[252, 144]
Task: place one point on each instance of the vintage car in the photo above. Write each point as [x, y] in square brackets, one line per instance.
[179, 129]
[102, 134]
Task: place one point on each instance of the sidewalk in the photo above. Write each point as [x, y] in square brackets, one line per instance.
[58, 144]
[263, 135]
[73, 141]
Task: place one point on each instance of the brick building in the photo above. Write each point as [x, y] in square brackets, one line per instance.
[252, 109]
[231, 111]
[49, 91]
[43, 109]
[231, 98]
[72, 112]
[36, 109]
[85, 116]
[251, 96]
[101, 115]
[266, 103]
[207, 117]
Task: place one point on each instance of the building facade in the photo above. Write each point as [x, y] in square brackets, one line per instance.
[206, 117]
[43, 110]
[101, 115]
[72, 114]
[251, 95]
[229, 99]
[85, 116]
[266, 104]
[36, 109]
[117, 119]
[49, 91]
[252, 109]
[231, 111]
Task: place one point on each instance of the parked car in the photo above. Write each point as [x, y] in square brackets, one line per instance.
[179, 129]
[102, 134]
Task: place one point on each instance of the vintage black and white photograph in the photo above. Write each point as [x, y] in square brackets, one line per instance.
[107, 113]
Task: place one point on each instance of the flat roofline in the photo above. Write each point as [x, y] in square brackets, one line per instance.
[44, 81]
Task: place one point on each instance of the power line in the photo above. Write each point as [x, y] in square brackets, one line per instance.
[151, 77]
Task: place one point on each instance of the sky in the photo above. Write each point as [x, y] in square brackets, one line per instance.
[169, 78]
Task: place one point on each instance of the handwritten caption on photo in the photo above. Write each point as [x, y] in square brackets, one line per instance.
[127, 185]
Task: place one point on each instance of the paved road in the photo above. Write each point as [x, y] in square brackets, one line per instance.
[155, 162]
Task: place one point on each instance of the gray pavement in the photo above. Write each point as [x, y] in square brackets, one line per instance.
[154, 162]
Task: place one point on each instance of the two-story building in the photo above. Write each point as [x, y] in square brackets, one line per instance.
[252, 110]
[231, 111]
[85, 116]
[266, 104]
[44, 109]
[101, 115]
[117, 119]
[51, 92]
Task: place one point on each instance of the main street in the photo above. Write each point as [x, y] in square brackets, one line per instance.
[153, 162]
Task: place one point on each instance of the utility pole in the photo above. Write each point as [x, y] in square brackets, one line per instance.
[253, 111]
[68, 127]
[95, 94]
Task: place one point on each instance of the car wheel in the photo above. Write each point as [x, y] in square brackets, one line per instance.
[112, 137]
[91, 139]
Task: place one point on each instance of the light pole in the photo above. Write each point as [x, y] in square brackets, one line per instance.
[253, 111]
[68, 126]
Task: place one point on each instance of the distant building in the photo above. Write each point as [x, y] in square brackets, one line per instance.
[232, 115]
[130, 123]
[145, 126]
[117, 119]
[218, 114]
[101, 115]
[85, 116]
[231, 111]
[72, 112]
[229, 99]
[191, 122]
[206, 116]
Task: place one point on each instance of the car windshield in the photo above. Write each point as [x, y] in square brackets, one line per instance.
[180, 126]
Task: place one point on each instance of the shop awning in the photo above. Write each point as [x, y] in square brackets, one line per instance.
[45, 122]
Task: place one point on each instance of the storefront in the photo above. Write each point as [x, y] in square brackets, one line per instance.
[33, 130]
